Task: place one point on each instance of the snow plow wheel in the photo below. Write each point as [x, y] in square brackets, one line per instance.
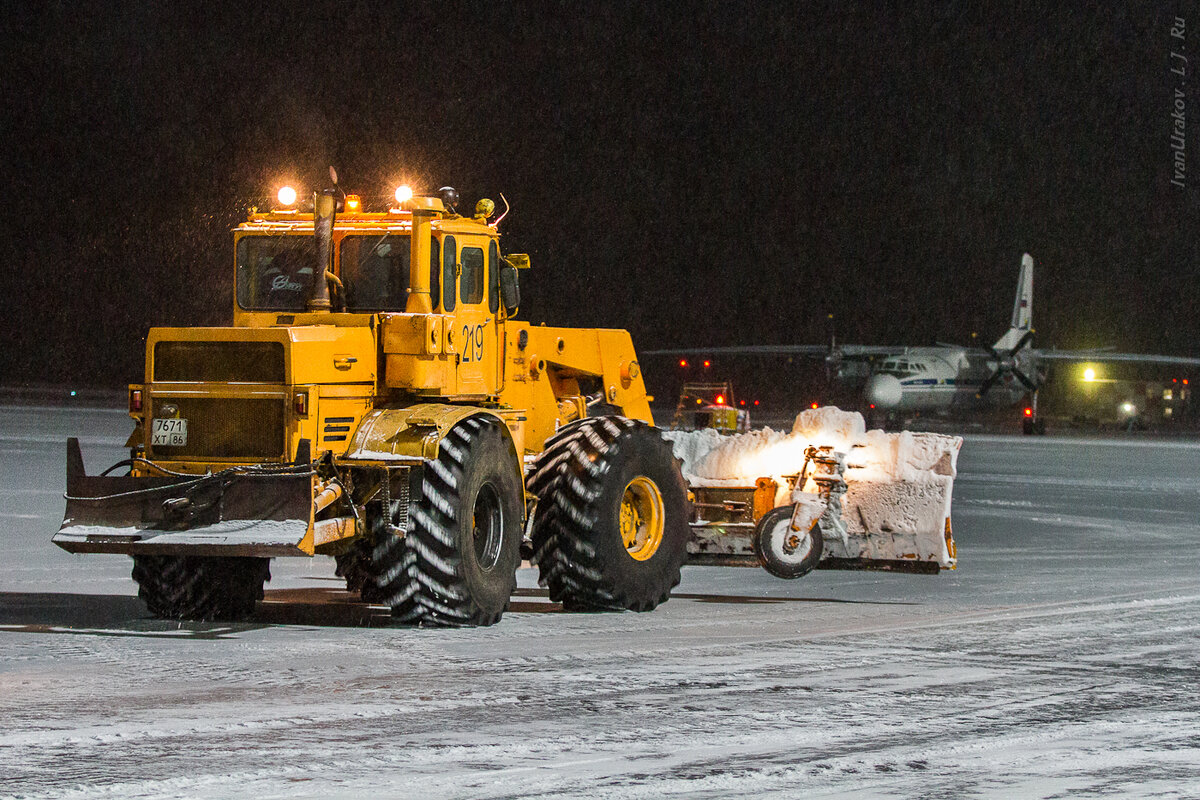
[201, 587]
[783, 552]
[610, 530]
[457, 565]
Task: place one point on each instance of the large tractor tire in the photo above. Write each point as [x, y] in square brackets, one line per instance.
[610, 530]
[458, 561]
[201, 587]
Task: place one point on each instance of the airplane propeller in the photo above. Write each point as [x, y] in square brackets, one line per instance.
[1007, 364]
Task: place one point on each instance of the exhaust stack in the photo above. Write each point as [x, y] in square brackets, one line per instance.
[324, 214]
[424, 211]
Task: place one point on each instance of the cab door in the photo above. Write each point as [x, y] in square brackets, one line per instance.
[475, 328]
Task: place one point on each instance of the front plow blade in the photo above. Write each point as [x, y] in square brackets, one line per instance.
[240, 515]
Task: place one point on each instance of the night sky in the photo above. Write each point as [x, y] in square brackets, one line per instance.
[712, 173]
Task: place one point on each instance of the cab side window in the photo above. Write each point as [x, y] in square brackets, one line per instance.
[493, 277]
[449, 262]
[471, 281]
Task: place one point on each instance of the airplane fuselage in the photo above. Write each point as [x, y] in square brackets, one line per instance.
[935, 379]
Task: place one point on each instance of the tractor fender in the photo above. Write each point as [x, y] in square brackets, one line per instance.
[415, 432]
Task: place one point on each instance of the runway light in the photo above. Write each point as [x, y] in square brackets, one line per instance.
[1089, 374]
[707, 364]
[403, 194]
[287, 196]
[683, 362]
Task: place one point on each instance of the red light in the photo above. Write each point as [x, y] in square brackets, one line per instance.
[872, 405]
[707, 364]
[1174, 380]
[755, 402]
[720, 399]
[1185, 381]
[742, 403]
[1029, 412]
[135, 400]
[683, 362]
[814, 405]
[300, 404]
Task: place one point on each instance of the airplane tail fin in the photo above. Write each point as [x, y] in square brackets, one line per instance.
[1022, 315]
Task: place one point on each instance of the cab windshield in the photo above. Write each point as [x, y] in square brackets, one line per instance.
[374, 270]
[275, 273]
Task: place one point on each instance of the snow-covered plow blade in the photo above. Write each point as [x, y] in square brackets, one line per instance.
[828, 495]
[250, 511]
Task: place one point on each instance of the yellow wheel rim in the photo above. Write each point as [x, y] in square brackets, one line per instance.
[641, 518]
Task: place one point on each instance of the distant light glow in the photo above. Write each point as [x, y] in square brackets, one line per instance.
[1089, 374]
[1028, 411]
[707, 364]
[404, 193]
[814, 405]
[287, 196]
[683, 362]
[720, 399]
[1129, 408]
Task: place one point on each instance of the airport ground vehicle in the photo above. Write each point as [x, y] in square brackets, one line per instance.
[375, 400]
[709, 405]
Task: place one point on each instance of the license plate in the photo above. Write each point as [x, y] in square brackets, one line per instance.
[169, 433]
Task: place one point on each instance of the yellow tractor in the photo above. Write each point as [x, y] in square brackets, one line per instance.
[375, 400]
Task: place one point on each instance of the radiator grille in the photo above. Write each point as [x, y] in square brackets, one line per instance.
[225, 427]
[219, 362]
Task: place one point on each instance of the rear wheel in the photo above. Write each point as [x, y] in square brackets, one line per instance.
[610, 530]
[201, 587]
[457, 563]
[783, 552]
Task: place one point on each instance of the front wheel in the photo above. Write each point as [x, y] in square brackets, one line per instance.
[783, 552]
[457, 564]
[201, 587]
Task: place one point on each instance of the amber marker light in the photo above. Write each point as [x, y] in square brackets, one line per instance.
[353, 203]
[720, 399]
[286, 196]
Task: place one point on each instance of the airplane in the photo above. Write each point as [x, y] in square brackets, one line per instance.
[945, 377]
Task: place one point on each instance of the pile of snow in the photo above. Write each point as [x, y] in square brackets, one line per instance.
[899, 491]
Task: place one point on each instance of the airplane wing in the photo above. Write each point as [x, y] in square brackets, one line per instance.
[814, 350]
[1078, 356]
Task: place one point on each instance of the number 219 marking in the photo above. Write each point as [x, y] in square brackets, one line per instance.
[472, 343]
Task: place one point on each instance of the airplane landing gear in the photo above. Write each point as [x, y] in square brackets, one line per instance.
[1032, 424]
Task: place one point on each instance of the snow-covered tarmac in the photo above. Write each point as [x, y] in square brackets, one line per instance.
[1060, 660]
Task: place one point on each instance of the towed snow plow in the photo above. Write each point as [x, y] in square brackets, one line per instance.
[828, 495]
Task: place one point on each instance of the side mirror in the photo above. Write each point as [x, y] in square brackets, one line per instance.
[518, 260]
